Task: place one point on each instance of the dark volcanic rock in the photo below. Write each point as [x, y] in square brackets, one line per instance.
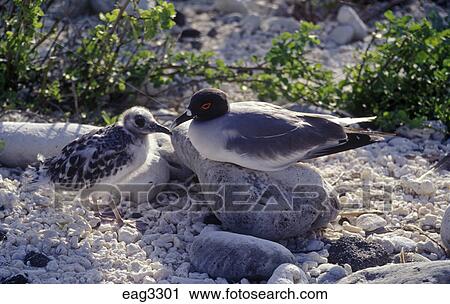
[36, 259]
[180, 18]
[357, 252]
[136, 215]
[190, 33]
[212, 33]
[17, 279]
[197, 45]
[437, 272]
[2, 235]
[235, 256]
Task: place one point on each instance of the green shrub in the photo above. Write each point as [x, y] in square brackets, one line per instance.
[119, 56]
[405, 78]
[19, 22]
[114, 53]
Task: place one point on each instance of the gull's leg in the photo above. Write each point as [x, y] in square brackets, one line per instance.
[120, 221]
[92, 203]
[116, 212]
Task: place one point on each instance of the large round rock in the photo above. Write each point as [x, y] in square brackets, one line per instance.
[271, 205]
[445, 229]
[409, 273]
[234, 256]
[46, 139]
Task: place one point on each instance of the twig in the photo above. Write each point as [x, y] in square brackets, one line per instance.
[119, 17]
[358, 213]
[52, 46]
[75, 98]
[365, 57]
[402, 256]
[45, 37]
[411, 227]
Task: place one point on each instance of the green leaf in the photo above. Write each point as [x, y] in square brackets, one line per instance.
[447, 63]
[389, 16]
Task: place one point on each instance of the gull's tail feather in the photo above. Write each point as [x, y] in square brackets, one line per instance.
[355, 139]
[346, 121]
[343, 121]
[443, 164]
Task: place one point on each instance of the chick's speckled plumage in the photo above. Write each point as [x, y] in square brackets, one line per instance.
[92, 157]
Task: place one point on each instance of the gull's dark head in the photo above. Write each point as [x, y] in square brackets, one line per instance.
[139, 121]
[205, 105]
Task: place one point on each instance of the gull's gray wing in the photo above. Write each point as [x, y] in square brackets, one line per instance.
[267, 131]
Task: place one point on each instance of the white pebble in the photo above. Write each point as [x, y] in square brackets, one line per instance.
[288, 274]
[128, 235]
[370, 222]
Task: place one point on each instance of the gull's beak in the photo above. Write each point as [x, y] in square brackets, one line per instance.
[182, 118]
[157, 128]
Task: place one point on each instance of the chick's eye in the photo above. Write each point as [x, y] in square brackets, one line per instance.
[206, 106]
[139, 120]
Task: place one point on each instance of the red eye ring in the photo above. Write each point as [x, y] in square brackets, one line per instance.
[206, 106]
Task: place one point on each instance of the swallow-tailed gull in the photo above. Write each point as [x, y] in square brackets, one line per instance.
[266, 137]
[105, 156]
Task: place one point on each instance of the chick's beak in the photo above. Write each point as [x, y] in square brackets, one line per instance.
[187, 115]
[157, 128]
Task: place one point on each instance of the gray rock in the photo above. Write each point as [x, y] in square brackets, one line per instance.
[251, 23]
[333, 274]
[410, 273]
[231, 6]
[433, 129]
[429, 246]
[232, 18]
[348, 16]
[385, 243]
[288, 274]
[410, 257]
[445, 229]
[177, 169]
[40, 138]
[311, 257]
[342, 34]
[259, 216]
[280, 25]
[68, 8]
[357, 252]
[313, 245]
[370, 222]
[103, 6]
[400, 242]
[423, 133]
[234, 256]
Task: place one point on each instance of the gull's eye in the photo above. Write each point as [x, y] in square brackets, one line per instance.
[139, 120]
[206, 106]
